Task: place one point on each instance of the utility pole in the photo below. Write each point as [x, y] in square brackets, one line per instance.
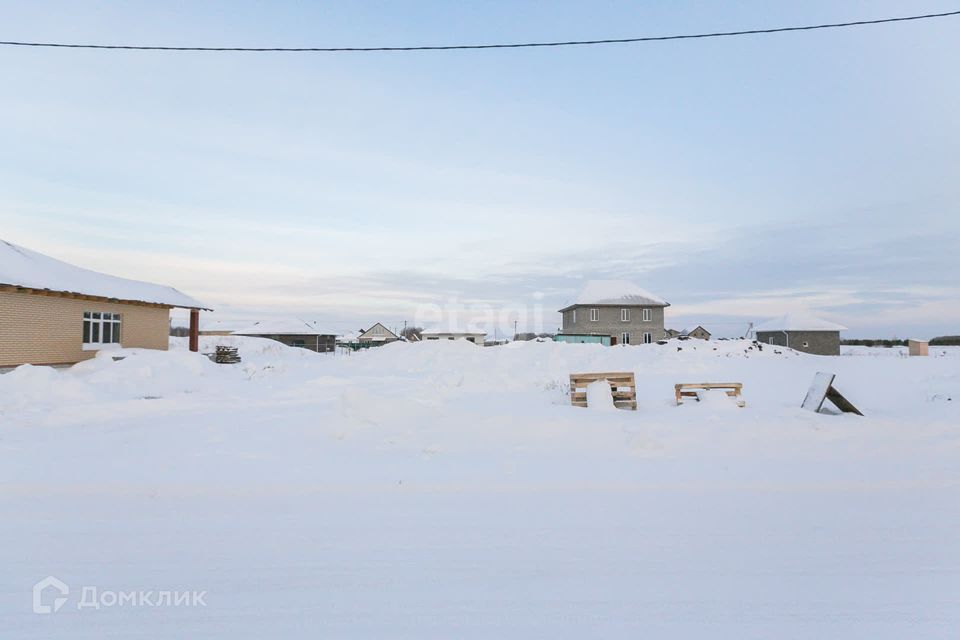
[514, 329]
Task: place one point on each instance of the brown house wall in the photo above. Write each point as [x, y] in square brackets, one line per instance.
[41, 329]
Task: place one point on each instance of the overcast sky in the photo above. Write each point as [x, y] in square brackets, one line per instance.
[737, 178]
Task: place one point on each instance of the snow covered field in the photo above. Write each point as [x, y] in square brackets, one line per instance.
[443, 490]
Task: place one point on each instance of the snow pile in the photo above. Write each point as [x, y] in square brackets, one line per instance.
[599, 397]
[420, 490]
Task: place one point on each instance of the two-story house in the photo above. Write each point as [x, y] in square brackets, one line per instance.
[617, 309]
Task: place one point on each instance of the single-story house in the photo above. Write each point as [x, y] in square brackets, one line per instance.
[376, 336]
[802, 332]
[454, 333]
[698, 334]
[348, 339]
[671, 333]
[293, 333]
[55, 313]
[211, 327]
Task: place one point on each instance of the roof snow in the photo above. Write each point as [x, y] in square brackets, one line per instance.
[614, 292]
[282, 327]
[799, 322]
[215, 324]
[21, 267]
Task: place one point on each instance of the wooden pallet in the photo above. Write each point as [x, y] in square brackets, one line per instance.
[689, 390]
[623, 387]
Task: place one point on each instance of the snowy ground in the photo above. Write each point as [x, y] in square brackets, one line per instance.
[443, 490]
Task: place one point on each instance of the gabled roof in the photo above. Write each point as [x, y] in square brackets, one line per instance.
[21, 267]
[616, 292]
[216, 324]
[699, 326]
[282, 327]
[799, 321]
[369, 333]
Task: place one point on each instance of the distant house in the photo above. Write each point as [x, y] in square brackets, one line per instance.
[802, 332]
[349, 339]
[377, 335]
[451, 333]
[699, 333]
[293, 333]
[671, 333]
[617, 309]
[52, 312]
[221, 327]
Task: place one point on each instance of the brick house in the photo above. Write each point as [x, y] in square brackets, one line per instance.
[618, 309]
[802, 332]
[52, 312]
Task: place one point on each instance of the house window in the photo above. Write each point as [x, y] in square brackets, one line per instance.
[624, 338]
[624, 315]
[647, 315]
[594, 315]
[100, 328]
[574, 313]
[647, 337]
[299, 343]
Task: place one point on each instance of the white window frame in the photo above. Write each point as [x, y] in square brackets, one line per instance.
[647, 337]
[95, 327]
[624, 315]
[594, 315]
[625, 337]
[648, 315]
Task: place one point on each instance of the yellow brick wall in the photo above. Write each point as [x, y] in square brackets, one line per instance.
[40, 329]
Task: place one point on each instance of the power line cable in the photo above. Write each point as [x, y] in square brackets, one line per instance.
[513, 45]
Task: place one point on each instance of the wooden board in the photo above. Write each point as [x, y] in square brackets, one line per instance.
[817, 392]
[689, 390]
[623, 388]
[822, 389]
[840, 402]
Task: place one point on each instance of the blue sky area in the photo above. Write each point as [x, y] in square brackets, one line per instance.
[737, 178]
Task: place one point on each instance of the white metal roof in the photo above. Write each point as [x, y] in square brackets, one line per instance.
[799, 322]
[22, 267]
[216, 324]
[615, 292]
[282, 327]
